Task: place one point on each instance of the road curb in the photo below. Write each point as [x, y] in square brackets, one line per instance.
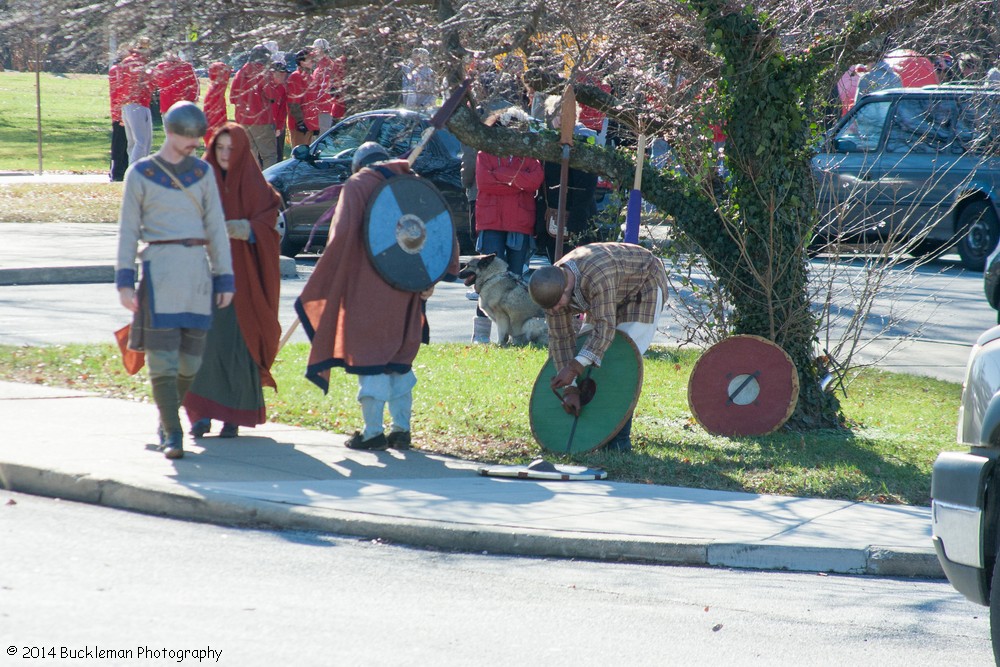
[72, 275]
[211, 507]
[57, 275]
[881, 561]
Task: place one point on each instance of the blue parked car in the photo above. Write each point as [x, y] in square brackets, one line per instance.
[917, 165]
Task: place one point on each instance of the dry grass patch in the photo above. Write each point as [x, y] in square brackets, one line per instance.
[74, 202]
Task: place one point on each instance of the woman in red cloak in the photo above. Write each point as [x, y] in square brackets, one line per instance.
[243, 340]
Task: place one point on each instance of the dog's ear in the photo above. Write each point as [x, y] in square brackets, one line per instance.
[486, 260]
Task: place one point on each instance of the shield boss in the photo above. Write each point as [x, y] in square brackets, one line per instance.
[745, 385]
[409, 233]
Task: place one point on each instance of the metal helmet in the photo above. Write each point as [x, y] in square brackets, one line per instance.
[546, 286]
[366, 154]
[186, 119]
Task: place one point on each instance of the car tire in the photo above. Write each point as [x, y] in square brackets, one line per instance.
[289, 248]
[980, 232]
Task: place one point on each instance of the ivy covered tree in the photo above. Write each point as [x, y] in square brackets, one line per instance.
[753, 227]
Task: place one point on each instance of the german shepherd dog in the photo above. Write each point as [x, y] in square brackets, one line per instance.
[505, 299]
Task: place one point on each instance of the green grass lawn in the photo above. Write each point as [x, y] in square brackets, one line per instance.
[471, 402]
[76, 122]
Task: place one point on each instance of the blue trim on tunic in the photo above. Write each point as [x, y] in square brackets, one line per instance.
[125, 278]
[180, 321]
[153, 172]
[224, 283]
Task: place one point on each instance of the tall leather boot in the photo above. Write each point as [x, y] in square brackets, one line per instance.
[168, 404]
[184, 383]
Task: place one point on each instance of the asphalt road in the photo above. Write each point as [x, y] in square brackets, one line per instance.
[77, 576]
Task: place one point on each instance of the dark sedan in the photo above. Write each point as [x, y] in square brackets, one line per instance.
[327, 162]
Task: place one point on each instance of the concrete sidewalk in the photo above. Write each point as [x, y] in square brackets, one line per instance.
[78, 446]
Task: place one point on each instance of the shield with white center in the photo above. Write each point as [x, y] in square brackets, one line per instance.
[744, 385]
[409, 234]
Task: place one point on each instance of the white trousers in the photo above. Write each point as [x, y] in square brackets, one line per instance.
[374, 391]
[641, 333]
[138, 122]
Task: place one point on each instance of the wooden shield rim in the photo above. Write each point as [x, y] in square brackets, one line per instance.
[542, 385]
[365, 236]
[794, 386]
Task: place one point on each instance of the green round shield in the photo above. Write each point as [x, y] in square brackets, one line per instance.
[615, 386]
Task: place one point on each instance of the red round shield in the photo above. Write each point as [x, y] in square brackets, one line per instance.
[745, 385]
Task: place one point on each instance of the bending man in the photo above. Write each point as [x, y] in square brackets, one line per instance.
[619, 286]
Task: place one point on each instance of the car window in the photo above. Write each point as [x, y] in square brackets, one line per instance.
[399, 134]
[864, 130]
[342, 141]
[979, 122]
[451, 144]
[927, 125]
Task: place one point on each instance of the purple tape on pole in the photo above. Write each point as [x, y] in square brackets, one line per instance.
[632, 217]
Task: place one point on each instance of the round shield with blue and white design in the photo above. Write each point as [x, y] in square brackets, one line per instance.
[409, 234]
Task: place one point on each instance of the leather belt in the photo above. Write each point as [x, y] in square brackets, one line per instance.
[187, 243]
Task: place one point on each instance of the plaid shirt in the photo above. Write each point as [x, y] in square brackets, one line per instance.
[615, 282]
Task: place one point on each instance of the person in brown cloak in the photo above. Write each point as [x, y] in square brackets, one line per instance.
[359, 322]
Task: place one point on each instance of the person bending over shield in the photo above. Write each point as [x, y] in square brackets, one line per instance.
[619, 286]
[356, 320]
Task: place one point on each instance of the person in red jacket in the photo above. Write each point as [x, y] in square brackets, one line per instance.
[328, 75]
[136, 93]
[176, 81]
[119, 142]
[505, 208]
[303, 101]
[279, 106]
[214, 103]
[252, 93]
[590, 117]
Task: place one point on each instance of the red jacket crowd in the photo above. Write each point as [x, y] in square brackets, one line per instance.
[258, 97]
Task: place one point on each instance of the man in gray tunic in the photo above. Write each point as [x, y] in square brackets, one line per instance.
[171, 205]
